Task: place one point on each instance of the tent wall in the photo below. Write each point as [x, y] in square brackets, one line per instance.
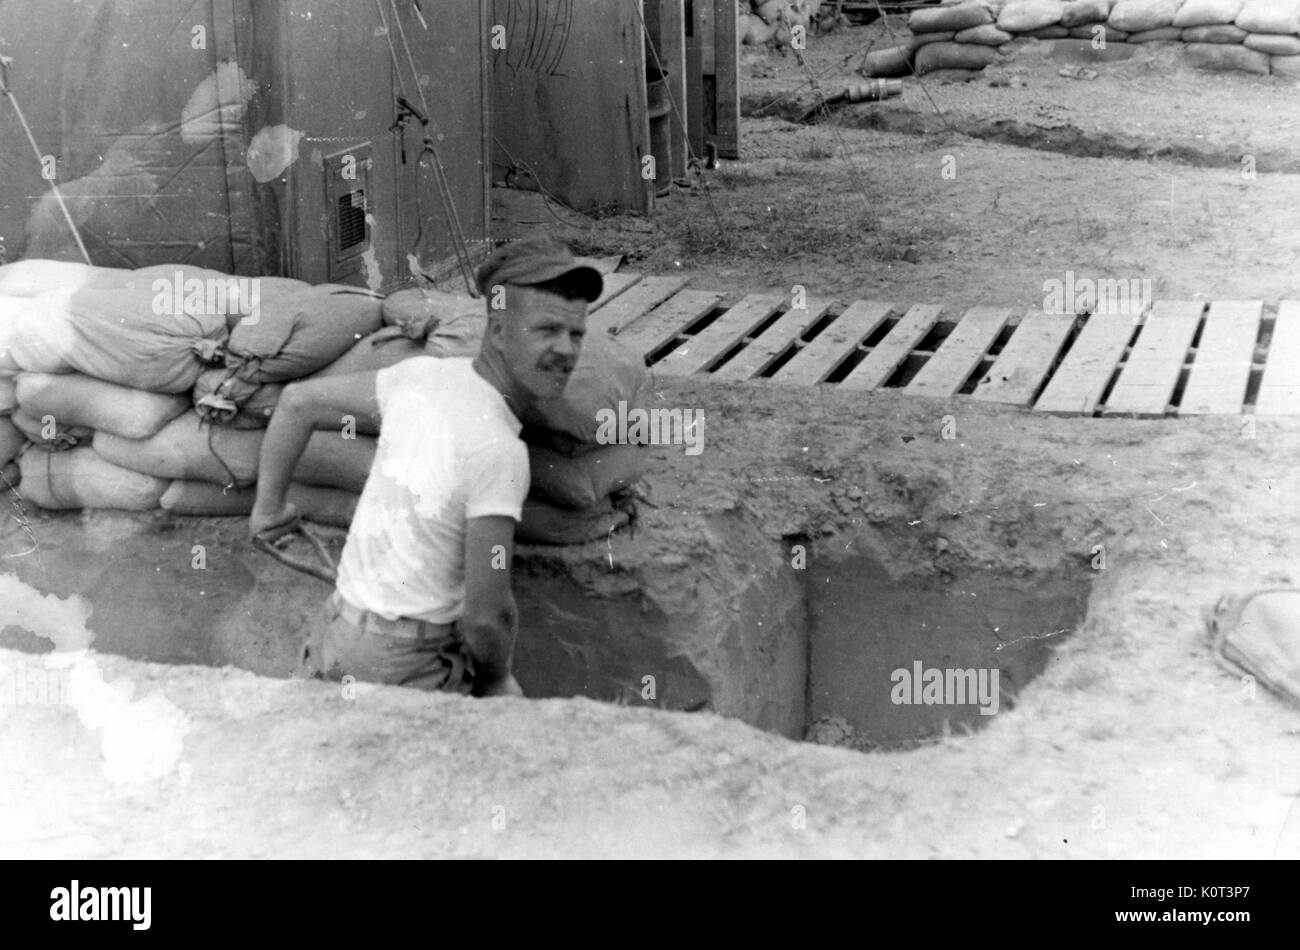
[207, 132]
[345, 116]
[107, 88]
[38, 37]
[569, 100]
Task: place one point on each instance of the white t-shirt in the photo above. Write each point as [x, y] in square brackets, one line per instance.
[449, 450]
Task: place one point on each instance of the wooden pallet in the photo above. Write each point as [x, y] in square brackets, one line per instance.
[1183, 358]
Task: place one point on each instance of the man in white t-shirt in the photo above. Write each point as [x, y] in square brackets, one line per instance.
[423, 593]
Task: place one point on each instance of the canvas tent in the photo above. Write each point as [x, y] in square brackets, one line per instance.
[249, 136]
[571, 109]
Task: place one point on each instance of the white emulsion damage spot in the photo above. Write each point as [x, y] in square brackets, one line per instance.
[217, 105]
[273, 149]
[140, 739]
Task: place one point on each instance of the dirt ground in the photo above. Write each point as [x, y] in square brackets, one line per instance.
[1132, 743]
[857, 206]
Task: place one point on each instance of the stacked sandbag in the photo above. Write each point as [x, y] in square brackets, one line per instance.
[774, 22]
[583, 480]
[12, 441]
[1090, 20]
[547, 524]
[189, 449]
[1256, 36]
[571, 468]
[417, 323]
[90, 353]
[579, 485]
[57, 418]
[122, 329]
[331, 506]
[574, 477]
[445, 324]
[76, 400]
[1141, 18]
[956, 36]
[103, 394]
[417, 310]
[34, 334]
[380, 350]
[35, 277]
[577, 517]
[607, 374]
[210, 470]
[80, 478]
[304, 332]
[48, 432]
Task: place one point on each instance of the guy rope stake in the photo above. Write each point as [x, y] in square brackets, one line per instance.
[7, 92]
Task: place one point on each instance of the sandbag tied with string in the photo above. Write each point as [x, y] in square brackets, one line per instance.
[419, 311]
[301, 333]
[117, 327]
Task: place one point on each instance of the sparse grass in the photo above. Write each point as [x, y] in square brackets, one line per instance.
[817, 151]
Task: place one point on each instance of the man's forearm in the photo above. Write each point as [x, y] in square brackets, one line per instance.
[491, 641]
[286, 439]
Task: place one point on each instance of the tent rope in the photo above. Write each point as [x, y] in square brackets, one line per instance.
[406, 110]
[7, 91]
[19, 513]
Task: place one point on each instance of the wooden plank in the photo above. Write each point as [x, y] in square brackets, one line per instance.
[694, 93]
[726, 71]
[814, 362]
[606, 264]
[1083, 374]
[888, 355]
[615, 284]
[648, 293]
[704, 32]
[1146, 384]
[722, 334]
[672, 56]
[773, 341]
[1026, 360]
[1279, 389]
[652, 330]
[947, 370]
[1221, 370]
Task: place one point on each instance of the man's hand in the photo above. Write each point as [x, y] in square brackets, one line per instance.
[263, 519]
[507, 686]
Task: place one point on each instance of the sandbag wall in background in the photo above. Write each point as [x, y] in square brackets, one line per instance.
[1255, 36]
[774, 22]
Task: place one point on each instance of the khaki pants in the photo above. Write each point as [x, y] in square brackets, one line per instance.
[351, 642]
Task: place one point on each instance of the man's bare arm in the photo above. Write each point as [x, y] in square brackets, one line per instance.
[304, 407]
[490, 619]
